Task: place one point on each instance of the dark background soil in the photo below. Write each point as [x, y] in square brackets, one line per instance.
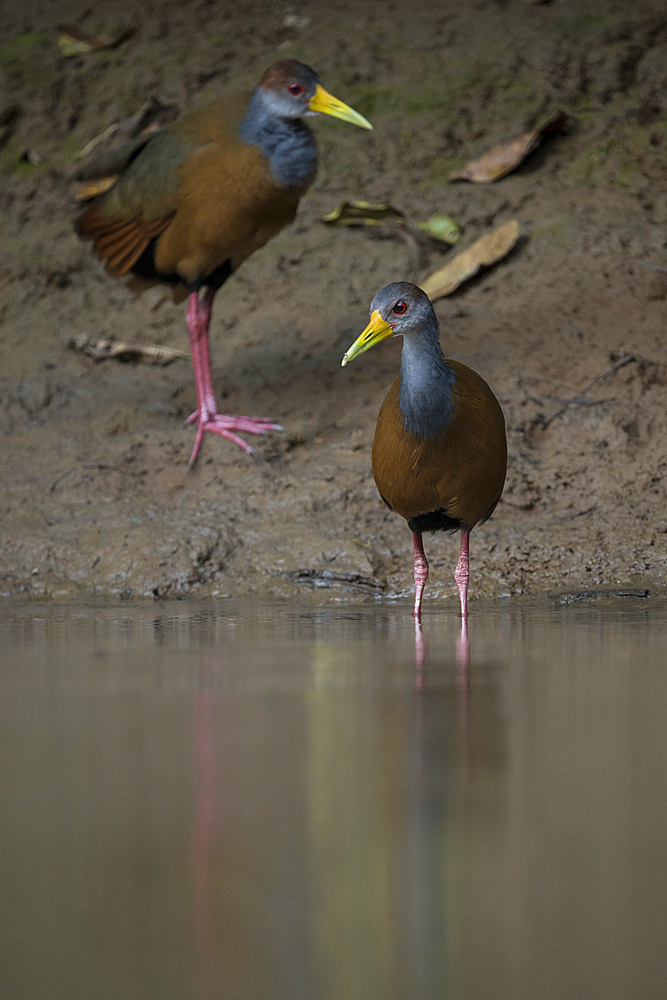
[94, 493]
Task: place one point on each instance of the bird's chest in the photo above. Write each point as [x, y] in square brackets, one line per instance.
[230, 205]
[407, 468]
[237, 191]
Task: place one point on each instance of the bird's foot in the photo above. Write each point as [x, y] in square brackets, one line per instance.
[225, 426]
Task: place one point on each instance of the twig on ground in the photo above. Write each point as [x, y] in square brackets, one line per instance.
[568, 596]
[324, 578]
[621, 363]
[62, 475]
[652, 267]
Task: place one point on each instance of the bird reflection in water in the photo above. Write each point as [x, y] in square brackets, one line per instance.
[462, 653]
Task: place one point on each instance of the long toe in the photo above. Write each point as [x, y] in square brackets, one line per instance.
[251, 425]
[227, 426]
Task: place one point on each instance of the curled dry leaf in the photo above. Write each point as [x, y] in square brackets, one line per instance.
[442, 228]
[364, 213]
[503, 159]
[74, 42]
[150, 117]
[90, 146]
[90, 189]
[154, 114]
[100, 350]
[486, 251]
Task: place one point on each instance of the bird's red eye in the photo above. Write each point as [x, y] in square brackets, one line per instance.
[295, 89]
[400, 307]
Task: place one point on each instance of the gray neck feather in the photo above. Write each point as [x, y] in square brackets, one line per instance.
[424, 396]
[287, 143]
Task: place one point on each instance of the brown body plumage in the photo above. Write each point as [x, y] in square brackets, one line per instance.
[462, 472]
[205, 194]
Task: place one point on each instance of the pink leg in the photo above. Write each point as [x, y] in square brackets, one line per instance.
[462, 573]
[421, 573]
[208, 419]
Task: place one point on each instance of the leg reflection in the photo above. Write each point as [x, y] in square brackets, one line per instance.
[420, 655]
[463, 661]
[462, 653]
[462, 645]
[203, 843]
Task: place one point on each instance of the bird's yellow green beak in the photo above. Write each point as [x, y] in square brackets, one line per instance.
[326, 104]
[378, 329]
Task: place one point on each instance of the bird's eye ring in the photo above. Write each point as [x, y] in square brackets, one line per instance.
[400, 307]
[295, 89]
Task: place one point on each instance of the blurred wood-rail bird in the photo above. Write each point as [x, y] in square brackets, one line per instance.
[439, 451]
[189, 203]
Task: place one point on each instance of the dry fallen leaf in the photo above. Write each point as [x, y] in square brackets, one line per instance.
[100, 350]
[442, 228]
[90, 146]
[150, 117]
[365, 213]
[486, 251]
[154, 114]
[74, 42]
[503, 159]
[90, 189]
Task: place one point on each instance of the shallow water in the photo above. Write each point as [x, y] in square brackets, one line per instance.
[245, 800]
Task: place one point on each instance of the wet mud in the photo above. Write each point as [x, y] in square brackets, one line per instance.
[95, 496]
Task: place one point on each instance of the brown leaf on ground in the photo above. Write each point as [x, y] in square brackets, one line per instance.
[364, 213]
[74, 42]
[487, 250]
[100, 350]
[150, 117]
[501, 160]
[90, 189]
[154, 114]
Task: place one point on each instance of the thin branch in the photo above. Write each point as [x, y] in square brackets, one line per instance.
[621, 363]
[652, 267]
[62, 475]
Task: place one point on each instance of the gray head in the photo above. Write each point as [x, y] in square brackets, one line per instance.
[287, 88]
[424, 395]
[405, 307]
[398, 309]
[290, 89]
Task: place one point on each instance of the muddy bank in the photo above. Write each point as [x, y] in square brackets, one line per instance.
[94, 492]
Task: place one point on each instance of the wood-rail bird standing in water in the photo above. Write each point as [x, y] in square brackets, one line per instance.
[439, 450]
[188, 204]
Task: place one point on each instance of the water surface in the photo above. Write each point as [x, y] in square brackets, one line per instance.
[257, 801]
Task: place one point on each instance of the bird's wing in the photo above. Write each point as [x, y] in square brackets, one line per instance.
[115, 161]
[119, 242]
[139, 204]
